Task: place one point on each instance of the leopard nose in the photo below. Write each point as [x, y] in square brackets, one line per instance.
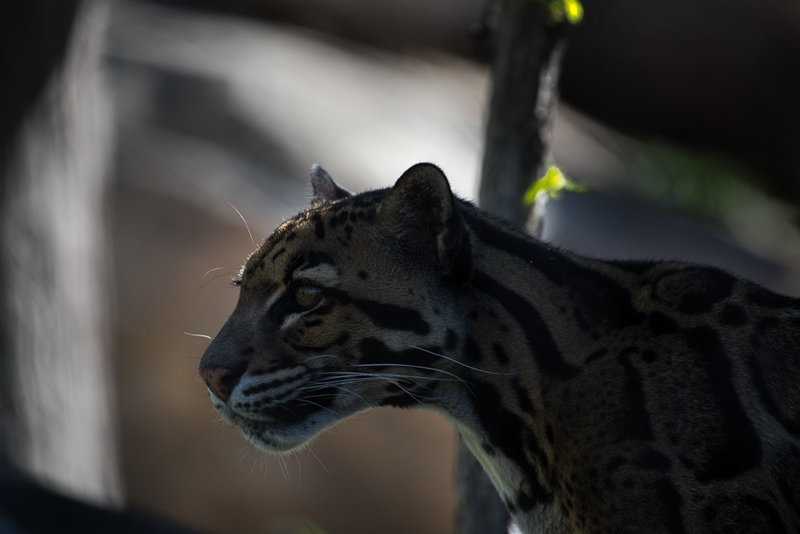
[221, 380]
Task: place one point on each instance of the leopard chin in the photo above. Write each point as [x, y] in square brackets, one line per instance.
[269, 435]
[273, 439]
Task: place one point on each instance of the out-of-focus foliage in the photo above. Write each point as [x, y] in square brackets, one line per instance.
[570, 11]
[553, 183]
[713, 189]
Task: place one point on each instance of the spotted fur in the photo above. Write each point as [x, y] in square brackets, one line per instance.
[599, 396]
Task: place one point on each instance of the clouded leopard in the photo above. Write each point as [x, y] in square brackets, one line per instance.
[599, 396]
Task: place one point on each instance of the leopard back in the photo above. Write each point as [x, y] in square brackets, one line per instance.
[599, 396]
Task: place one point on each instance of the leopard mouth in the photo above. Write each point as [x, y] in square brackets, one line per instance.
[280, 425]
[281, 411]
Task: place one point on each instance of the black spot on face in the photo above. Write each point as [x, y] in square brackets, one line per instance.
[363, 275]
[321, 347]
[500, 354]
[472, 353]
[318, 258]
[391, 316]
[392, 388]
[339, 219]
[374, 351]
[295, 262]
[319, 226]
[278, 254]
[450, 340]
[523, 400]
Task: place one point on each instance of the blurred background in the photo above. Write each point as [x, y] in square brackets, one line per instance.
[681, 117]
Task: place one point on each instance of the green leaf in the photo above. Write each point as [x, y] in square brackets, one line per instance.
[552, 184]
[561, 10]
[573, 10]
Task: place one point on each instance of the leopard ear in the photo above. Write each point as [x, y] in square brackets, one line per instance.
[422, 211]
[323, 187]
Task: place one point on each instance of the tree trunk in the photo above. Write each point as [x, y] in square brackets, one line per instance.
[524, 88]
[55, 384]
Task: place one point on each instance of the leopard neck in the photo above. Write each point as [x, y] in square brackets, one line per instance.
[530, 302]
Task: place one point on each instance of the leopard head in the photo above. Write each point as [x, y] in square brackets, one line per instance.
[344, 307]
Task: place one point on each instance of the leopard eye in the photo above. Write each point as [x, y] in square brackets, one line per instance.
[305, 297]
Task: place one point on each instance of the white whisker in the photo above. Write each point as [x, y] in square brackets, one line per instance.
[448, 358]
[320, 356]
[339, 384]
[409, 366]
[239, 213]
[305, 400]
[311, 451]
[204, 336]
[397, 384]
[211, 271]
[299, 467]
[284, 468]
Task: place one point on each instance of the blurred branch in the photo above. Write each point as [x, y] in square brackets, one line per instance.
[56, 398]
[524, 78]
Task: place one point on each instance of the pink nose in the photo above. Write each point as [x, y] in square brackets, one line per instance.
[220, 381]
